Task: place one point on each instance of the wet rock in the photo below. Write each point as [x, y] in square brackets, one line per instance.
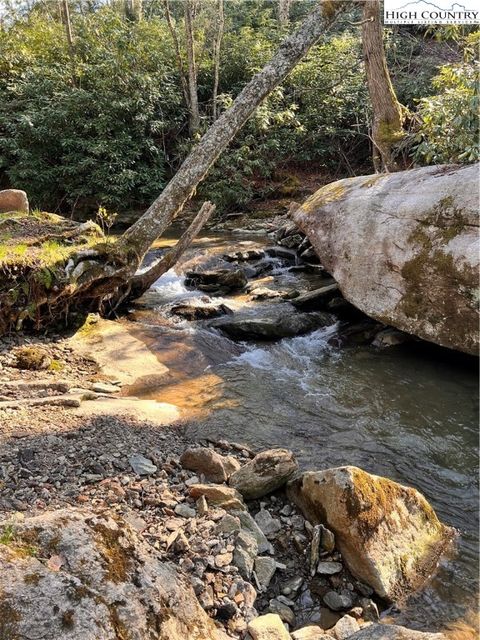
[312, 632]
[283, 323]
[338, 601]
[329, 568]
[393, 632]
[283, 610]
[390, 338]
[268, 627]
[141, 465]
[282, 252]
[377, 523]
[197, 310]
[268, 471]
[89, 576]
[263, 293]
[207, 462]
[345, 628]
[316, 299]
[269, 525]
[219, 495]
[224, 279]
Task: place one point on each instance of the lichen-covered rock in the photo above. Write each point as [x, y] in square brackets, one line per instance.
[266, 472]
[388, 534]
[393, 632]
[13, 200]
[73, 575]
[404, 248]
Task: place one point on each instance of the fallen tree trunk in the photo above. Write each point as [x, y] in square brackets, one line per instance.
[404, 248]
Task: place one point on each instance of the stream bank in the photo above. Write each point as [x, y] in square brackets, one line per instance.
[327, 403]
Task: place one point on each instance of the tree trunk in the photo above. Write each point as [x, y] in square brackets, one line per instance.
[143, 281]
[178, 55]
[284, 11]
[141, 235]
[387, 111]
[192, 68]
[216, 56]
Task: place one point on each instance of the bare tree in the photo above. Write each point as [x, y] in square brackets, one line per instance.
[216, 55]
[178, 55]
[192, 67]
[284, 11]
[387, 111]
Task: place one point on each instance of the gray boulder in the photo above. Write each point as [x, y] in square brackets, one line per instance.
[75, 575]
[404, 248]
[393, 632]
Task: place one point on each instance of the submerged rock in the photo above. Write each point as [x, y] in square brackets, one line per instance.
[388, 534]
[281, 323]
[224, 279]
[268, 471]
[393, 632]
[74, 575]
[404, 248]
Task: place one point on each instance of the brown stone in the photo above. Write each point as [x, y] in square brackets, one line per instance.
[218, 495]
[267, 472]
[13, 200]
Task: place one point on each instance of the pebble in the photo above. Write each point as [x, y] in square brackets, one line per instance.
[337, 601]
[329, 568]
[185, 511]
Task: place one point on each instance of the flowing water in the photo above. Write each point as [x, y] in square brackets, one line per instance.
[408, 412]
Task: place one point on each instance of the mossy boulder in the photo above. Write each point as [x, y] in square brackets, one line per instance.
[388, 534]
[77, 575]
[404, 248]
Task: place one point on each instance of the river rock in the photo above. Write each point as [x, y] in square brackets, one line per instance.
[13, 200]
[393, 632]
[404, 248]
[199, 310]
[316, 299]
[219, 495]
[345, 628]
[338, 601]
[312, 632]
[329, 568]
[76, 575]
[265, 473]
[207, 461]
[281, 323]
[268, 627]
[377, 524]
[265, 568]
[225, 279]
[141, 465]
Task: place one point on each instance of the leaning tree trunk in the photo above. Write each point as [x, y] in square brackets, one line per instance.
[141, 235]
[98, 277]
[387, 111]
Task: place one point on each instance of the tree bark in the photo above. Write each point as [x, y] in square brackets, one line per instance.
[216, 56]
[143, 281]
[387, 111]
[141, 235]
[178, 55]
[192, 68]
[284, 11]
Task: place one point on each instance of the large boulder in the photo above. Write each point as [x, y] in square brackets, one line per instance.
[388, 534]
[393, 632]
[13, 200]
[266, 472]
[74, 575]
[404, 248]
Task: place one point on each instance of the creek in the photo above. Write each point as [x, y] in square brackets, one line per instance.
[408, 412]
